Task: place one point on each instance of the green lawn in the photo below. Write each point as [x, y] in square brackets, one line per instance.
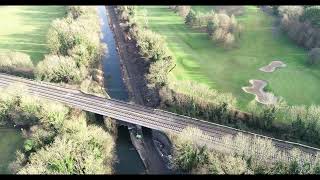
[24, 28]
[11, 140]
[200, 59]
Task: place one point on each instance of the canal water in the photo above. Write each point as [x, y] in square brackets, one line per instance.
[10, 140]
[129, 161]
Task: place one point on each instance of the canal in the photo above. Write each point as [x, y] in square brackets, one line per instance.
[129, 161]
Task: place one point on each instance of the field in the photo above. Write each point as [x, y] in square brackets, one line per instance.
[200, 59]
[24, 28]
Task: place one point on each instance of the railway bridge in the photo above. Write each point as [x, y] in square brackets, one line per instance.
[136, 114]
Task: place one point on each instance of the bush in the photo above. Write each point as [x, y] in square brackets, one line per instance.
[17, 107]
[92, 87]
[16, 63]
[77, 35]
[312, 14]
[313, 56]
[77, 11]
[158, 73]
[211, 27]
[293, 12]
[190, 18]
[183, 10]
[126, 13]
[187, 155]
[197, 100]
[301, 25]
[250, 155]
[151, 45]
[56, 68]
[79, 149]
[223, 29]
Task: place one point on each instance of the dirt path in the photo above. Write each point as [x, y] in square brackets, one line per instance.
[133, 70]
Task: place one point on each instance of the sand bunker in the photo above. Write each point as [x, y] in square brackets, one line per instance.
[272, 66]
[257, 89]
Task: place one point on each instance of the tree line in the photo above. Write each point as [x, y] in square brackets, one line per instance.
[249, 156]
[221, 28]
[301, 24]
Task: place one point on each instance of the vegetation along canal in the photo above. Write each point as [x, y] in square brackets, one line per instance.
[128, 158]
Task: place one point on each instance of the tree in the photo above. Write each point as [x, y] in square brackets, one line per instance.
[190, 18]
[59, 69]
[293, 12]
[313, 56]
[158, 72]
[229, 40]
[219, 35]
[151, 45]
[211, 27]
[16, 63]
[312, 14]
[145, 17]
[224, 21]
[183, 10]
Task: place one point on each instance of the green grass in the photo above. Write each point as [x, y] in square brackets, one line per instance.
[10, 141]
[200, 59]
[24, 28]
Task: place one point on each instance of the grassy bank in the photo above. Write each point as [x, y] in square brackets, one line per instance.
[10, 141]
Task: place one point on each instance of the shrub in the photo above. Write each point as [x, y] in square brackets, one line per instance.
[312, 14]
[151, 45]
[158, 73]
[224, 29]
[16, 63]
[92, 87]
[313, 56]
[190, 18]
[183, 10]
[78, 38]
[77, 11]
[293, 12]
[249, 155]
[233, 165]
[56, 68]
[17, 107]
[197, 100]
[301, 25]
[211, 27]
[79, 149]
[187, 154]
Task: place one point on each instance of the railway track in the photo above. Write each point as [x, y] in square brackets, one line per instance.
[137, 114]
